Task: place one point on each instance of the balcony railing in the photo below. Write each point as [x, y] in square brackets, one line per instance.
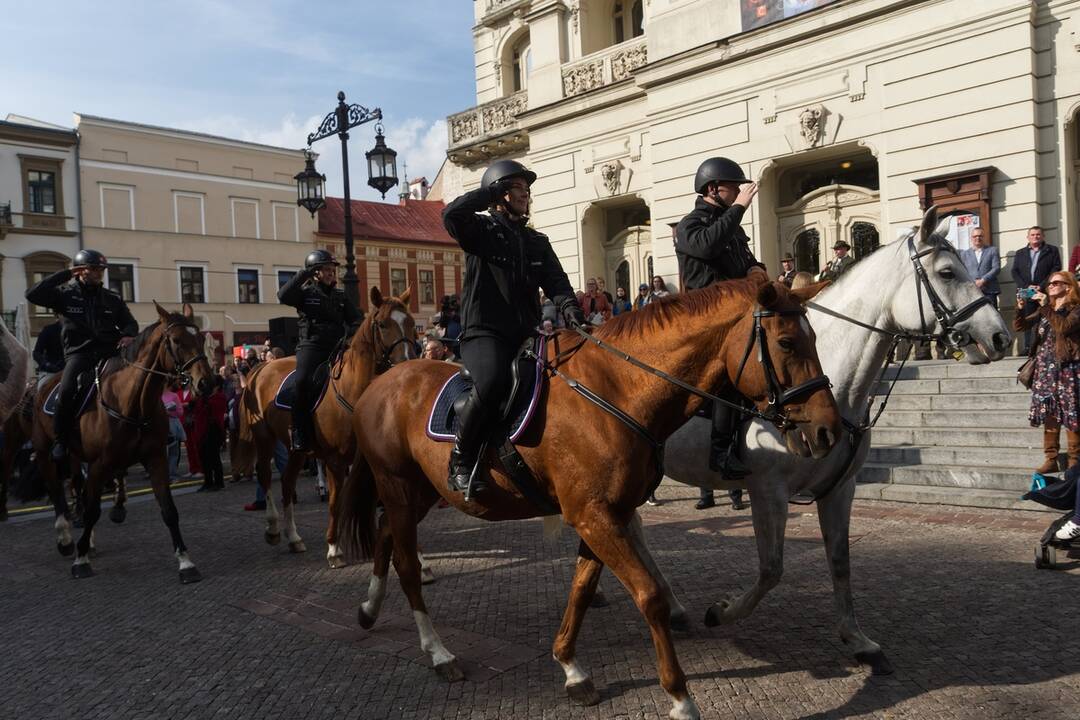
[605, 67]
[487, 120]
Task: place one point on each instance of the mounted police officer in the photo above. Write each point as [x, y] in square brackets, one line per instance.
[95, 323]
[506, 263]
[327, 316]
[711, 246]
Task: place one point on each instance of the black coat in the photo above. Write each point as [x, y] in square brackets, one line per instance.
[1049, 263]
[710, 245]
[326, 314]
[93, 318]
[49, 349]
[506, 263]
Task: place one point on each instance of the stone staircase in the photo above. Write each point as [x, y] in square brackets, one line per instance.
[954, 434]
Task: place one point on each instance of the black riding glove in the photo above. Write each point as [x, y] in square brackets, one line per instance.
[573, 314]
[497, 191]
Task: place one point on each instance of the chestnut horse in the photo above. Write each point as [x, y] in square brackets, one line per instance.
[595, 467]
[125, 425]
[383, 340]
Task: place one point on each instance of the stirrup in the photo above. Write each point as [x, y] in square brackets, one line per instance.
[298, 441]
[59, 450]
[727, 464]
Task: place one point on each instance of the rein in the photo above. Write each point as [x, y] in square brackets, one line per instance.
[382, 363]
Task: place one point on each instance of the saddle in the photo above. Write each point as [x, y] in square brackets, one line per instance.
[286, 392]
[87, 386]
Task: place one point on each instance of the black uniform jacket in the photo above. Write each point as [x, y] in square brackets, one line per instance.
[506, 262]
[711, 246]
[49, 349]
[93, 318]
[326, 315]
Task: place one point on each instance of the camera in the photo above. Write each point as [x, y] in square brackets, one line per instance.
[1026, 293]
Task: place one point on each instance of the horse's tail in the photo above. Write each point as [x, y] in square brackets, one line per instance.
[356, 504]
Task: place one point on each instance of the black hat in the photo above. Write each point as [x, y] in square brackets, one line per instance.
[841, 244]
[788, 256]
[717, 169]
[505, 170]
[90, 258]
[318, 258]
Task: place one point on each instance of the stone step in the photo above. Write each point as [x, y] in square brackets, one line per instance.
[981, 457]
[1020, 438]
[953, 386]
[932, 369]
[950, 419]
[1018, 401]
[964, 497]
[961, 476]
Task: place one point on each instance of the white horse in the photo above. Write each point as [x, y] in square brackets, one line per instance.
[14, 369]
[882, 291]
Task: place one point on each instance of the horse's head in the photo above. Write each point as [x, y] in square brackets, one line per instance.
[777, 368]
[941, 297]
[182, 350]
[393, 330]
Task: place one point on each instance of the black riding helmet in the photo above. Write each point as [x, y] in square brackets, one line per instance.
[503, 170]
[718, 169]
[90, 258]
[318, 258]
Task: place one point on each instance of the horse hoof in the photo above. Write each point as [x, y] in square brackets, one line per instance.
[426, 576]
[272, 538]
[365, 620]
[879, 664]
[82, 570]
[583, 693]
[336, 562]
[679, 623]
[297, 547]
[118, 514]
[450, 672]
[599, 600]
[717, 614]
[190, 575]
[66, 550]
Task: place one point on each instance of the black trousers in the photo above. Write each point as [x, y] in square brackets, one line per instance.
[210, 453]
[308, 359]
[488, 362]
[74, 366]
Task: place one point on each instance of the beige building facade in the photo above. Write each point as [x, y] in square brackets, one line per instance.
[188, 217]
[853, 115]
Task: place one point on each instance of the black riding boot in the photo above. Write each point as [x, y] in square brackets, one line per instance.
[464, 455]
[300, 432]
[724, 439]
[61, 431]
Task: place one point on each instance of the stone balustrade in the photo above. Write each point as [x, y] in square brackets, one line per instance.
[486, 120]
[610, 65]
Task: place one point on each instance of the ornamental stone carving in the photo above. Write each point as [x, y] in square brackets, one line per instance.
[464, 127]
[812, 125]
[501, 114]
[625, 62]
[609, 174]
[583, 78]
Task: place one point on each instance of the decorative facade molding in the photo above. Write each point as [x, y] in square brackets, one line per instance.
[608, 66]
[486, 120]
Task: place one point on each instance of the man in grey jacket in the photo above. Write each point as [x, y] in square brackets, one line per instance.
[983, 264]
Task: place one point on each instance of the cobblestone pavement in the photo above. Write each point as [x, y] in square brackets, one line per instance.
[973, 630]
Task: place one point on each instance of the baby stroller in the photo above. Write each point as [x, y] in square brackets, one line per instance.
[1060, 494]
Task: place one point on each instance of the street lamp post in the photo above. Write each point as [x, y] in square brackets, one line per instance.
[382, 173]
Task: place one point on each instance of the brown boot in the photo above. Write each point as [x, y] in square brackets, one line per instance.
[1051, 447]
[1074, 447]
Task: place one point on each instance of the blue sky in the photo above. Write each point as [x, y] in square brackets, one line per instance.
[265, 71]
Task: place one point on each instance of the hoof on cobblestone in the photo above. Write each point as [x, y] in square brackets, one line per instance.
[66, 550]
[583, 693]
[336, 562]
[599, 600]
[426, 576]
[297, 547]
[190, 575]
[272, 538]
[365, 620]
[450, 672]
[82, 570]
[680, 623]
[717, 614]
[879, 664]
[118, 514]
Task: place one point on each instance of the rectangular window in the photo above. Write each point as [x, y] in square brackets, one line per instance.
[397, 281]
[247, 283]
[427, 287]
[122, 281]
[192, 284]
[42, 186]
[284, 276]
[36, 310]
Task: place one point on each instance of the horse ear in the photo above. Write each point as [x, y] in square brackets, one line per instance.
[188, 311]
[405, 296]
[376, 297]
[768, 295]
[807, 293]
[162, 312]
[929, 225]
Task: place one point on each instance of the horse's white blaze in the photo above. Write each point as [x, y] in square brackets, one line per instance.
[290, 524]
[683, 709]
[429, 640]
[376, 592]
[185, 561]
[271, 515]
[63, 530]
[574, 673]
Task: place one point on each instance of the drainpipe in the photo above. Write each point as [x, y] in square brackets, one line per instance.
[78, 187]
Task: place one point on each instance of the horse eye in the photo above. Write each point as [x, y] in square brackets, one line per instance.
[786, 345]
[947, 273]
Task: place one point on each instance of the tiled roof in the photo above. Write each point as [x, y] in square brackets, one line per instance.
[411, 221]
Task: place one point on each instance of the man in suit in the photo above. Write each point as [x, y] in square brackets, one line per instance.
[836, 267]
[1033, 266]
[788, 262]
[983, 264]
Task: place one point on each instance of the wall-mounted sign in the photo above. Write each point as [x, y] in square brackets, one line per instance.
[756, 13]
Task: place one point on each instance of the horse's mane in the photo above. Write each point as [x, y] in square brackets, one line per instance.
[131, 352]
[664, 312]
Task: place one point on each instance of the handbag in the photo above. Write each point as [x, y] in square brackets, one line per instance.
[1025, 374]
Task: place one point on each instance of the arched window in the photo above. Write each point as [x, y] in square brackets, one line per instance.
[617, 18]
[521, 65]
[807, 250]
[626, 25]
[622, 276]
[637, 19]
[864, 239]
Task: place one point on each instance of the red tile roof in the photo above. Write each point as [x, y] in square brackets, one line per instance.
[412, 221]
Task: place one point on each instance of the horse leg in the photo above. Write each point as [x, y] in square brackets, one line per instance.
[384, 545]
[7, 465]
[288, 501]
[615, 546]
[157, 465]
[119, 509]
[834, 517]
[579, 686]
[54, 485]
[679, 619]
[91, 500]
[263, 471]
[334, 471]
[769, 511]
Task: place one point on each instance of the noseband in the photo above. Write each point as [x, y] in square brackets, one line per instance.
[180, 367]
[384, 361]
[948, 319]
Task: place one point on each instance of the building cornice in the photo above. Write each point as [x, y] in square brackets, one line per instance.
[32, 134]
[186, 135]
[184, 174]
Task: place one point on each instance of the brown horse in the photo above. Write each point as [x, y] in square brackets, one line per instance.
[126, 424]
[383, 340]
[595, 467]
[16, 433]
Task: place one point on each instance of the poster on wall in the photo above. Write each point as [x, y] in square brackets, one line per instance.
[756, 13]
[960, 229]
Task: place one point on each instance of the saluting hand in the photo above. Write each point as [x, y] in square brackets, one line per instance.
[747, 192]
[124, 341]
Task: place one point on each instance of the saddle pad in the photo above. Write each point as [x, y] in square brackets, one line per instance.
[442, 422]
[287, 390]
[86, 395]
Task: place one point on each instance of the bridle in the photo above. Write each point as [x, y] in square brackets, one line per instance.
[948, 319]
[384, 362]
